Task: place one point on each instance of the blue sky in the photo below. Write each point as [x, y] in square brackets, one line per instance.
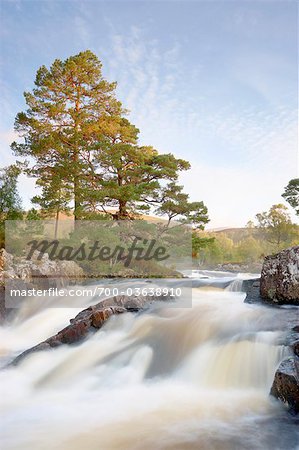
[214, 82]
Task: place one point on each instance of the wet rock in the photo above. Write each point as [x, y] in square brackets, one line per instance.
[91, 319]
[293, 339]
[2, 304]
[280, 277]
[285, 386]
[252, 289]
[295, 347]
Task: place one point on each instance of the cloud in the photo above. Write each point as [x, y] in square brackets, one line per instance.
[147, 75]
[254, 136]
[234, 197]
[241, 156]
[242, 152]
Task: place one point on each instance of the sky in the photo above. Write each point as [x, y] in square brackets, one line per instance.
[214, 82]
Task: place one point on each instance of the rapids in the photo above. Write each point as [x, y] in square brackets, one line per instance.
[171, 378]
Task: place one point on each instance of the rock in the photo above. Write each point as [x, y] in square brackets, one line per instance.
[39, 272]
[252, 289]
[6, 266]
[280, 277]
[69, 269]
[7, 272]
[91, 319]
[295, 347]
[6, 259]
[293, 338]
[2, 305]
[238, 267]
[285, 386]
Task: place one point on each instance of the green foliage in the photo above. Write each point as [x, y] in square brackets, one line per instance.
[10, 202]
[86, 153]
[68, 112]
[274, 231]
[33, 214]
[291, 194]
[131, 178]
[174, 203]
[199, 243]
[34, 225]
[248, 250]
[276, 226]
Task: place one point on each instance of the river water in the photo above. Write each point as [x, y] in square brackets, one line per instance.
[171, 378]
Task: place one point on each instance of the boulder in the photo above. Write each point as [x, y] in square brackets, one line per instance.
[39, 272]
[285, 386]
[295, 347]
[280, 277]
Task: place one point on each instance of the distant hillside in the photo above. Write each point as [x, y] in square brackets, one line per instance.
[236, 234]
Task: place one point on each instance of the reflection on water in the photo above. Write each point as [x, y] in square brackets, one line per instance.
[171, 378]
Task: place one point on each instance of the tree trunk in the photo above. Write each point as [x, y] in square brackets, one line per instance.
[122, 211]
[76, 161]
[76, 198]
[56, 223]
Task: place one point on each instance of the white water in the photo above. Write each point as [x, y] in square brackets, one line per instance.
[192, 378]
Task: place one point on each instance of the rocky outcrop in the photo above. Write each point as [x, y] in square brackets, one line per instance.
[6, 266]
[39, 272]
[238, 267]
[280, 277]
[252, 289]
[285, 386]
[278, 285]
[91, 319]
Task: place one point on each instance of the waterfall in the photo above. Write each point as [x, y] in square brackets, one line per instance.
[235, 285]
[171, 378]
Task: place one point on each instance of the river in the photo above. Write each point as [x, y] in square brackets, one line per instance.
[171, 378]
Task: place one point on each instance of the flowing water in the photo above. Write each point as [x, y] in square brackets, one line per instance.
[171, 378]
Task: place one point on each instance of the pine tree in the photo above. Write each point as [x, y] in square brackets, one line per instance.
[175, 204]
[68, 110]
[86, 152]
[131, 175]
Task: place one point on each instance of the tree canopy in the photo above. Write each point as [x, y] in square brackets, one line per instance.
[276, 225]
[86, 152]
[10, 201]
[175, 204]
